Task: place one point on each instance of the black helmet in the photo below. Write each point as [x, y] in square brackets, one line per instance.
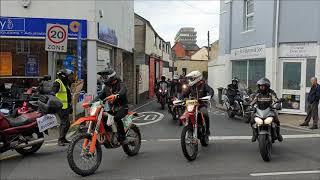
[64, 73]
[163, 78]
[108, 75]
[235, 79]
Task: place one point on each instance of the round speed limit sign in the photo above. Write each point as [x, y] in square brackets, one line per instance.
[56, 37]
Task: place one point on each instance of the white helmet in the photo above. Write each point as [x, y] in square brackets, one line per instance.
[176, 77]
[194, 77]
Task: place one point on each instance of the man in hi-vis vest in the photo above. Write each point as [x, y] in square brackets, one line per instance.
[61, 89]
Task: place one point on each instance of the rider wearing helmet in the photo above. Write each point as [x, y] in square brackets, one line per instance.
[161, 83]
[232, 90]
[61, 89]
[175, 90]
[264, 98]
[198, 88]
[117, 91]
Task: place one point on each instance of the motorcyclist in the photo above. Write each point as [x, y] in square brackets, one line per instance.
[175, 90]
[116, 92]
[61, 89]
[198, 88]
[232, 91]
[264, 98]
[160, 84]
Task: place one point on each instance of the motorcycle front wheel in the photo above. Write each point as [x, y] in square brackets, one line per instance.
[189, 147]
[80, 160]
[265, 147]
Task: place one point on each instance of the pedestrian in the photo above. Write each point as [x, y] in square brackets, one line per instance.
[313, 102]
[61, 89]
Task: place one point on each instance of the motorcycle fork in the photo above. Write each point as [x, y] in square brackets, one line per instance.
[95, 133]
[242, 108]
[195, 132]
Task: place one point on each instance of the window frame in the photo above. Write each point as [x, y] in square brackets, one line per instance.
[247, 16]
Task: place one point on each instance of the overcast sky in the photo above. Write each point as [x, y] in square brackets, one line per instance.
[167, 17]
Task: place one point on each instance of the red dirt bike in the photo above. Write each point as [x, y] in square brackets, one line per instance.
[84, 152]
[194, 128]
[22, 133]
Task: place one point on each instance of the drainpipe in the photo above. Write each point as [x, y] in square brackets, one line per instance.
[276, 42]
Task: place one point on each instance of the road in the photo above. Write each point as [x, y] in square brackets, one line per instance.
[230, 155]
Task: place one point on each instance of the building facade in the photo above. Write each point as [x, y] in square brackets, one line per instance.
[275, 39]
[153, 58]
[107, 39]
[186, 35]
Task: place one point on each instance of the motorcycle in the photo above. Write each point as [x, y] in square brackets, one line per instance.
[84, 152]
[163, 94]
[266, 128]
[178, 108]
[194, 128]
[23, 133]
[241, 105]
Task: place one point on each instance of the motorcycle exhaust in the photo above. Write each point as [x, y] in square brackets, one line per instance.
[30, 143]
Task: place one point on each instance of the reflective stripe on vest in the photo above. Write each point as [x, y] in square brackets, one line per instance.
[62, 94]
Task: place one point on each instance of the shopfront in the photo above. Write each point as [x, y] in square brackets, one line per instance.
[249, 65]
[23, 58]
[297, 66]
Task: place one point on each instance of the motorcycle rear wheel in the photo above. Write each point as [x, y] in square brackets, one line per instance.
[70, 155]
[31, 150]
[136, 147]
[231, 114]
[188, 131]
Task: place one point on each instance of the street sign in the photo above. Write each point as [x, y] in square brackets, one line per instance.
[56, 37]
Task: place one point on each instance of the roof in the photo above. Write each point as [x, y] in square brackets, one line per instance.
[148, 22]
[191, 47]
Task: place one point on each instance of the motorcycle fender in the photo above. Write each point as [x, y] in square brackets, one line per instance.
[264, 132]
[84, 119]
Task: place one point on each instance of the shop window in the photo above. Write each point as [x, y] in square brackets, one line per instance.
[248, 72]
[248, 14]
[311, 67]
[23, 46]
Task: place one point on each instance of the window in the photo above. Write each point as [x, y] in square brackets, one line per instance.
[248, 14]
[160, 42]
[311, 64]
[184, 71]
[155, 40]
[248, 72]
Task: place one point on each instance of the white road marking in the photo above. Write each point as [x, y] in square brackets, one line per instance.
[285, 173]
[10, 156]
[156, 117]
[143, 105]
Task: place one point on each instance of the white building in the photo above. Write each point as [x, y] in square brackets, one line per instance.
[107, 38]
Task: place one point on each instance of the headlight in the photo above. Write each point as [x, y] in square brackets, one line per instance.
[190, 108]
[165, 90]
[259, 121]
[93, 111]
[184, 86]
[160, 90]
[268, 120]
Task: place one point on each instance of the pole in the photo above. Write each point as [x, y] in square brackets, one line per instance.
[208, 45]
[79, 52]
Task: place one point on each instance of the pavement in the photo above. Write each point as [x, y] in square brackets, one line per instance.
[230, 154]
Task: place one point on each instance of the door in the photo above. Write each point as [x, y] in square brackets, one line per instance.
[293, 86]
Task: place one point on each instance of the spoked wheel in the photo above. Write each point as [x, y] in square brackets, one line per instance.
[31, 149]
[265, 147]
[134, 138]
[80, 160]
[188, 144]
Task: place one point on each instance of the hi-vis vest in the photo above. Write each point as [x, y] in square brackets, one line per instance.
[62, 94]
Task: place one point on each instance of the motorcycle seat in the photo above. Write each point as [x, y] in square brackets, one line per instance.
[23, 119]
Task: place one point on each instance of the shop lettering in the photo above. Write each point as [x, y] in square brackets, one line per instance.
[56, 47]
[2, 24]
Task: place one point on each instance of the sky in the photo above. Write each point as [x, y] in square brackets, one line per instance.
[167, 17]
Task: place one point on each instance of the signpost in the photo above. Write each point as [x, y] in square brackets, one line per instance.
[56, 38]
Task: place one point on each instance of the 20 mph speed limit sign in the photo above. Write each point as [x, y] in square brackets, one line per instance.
[56, 37]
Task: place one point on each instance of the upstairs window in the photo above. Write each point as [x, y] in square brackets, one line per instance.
[248, 14]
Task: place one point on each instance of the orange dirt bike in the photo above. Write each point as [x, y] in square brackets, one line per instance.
[84, 152]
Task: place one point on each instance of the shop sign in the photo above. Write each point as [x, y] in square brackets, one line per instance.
[36, 27]
[252, 52]
[56, 38]
[298, 50]
[32, 66]
[107, 34]
[5, 64]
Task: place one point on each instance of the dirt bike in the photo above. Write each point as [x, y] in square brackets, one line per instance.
[84, 152]
[194, 128]
[178, 108]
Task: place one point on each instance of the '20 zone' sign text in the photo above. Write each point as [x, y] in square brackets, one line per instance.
[56, 37]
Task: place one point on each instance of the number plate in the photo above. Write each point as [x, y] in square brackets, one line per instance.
[46, 122]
